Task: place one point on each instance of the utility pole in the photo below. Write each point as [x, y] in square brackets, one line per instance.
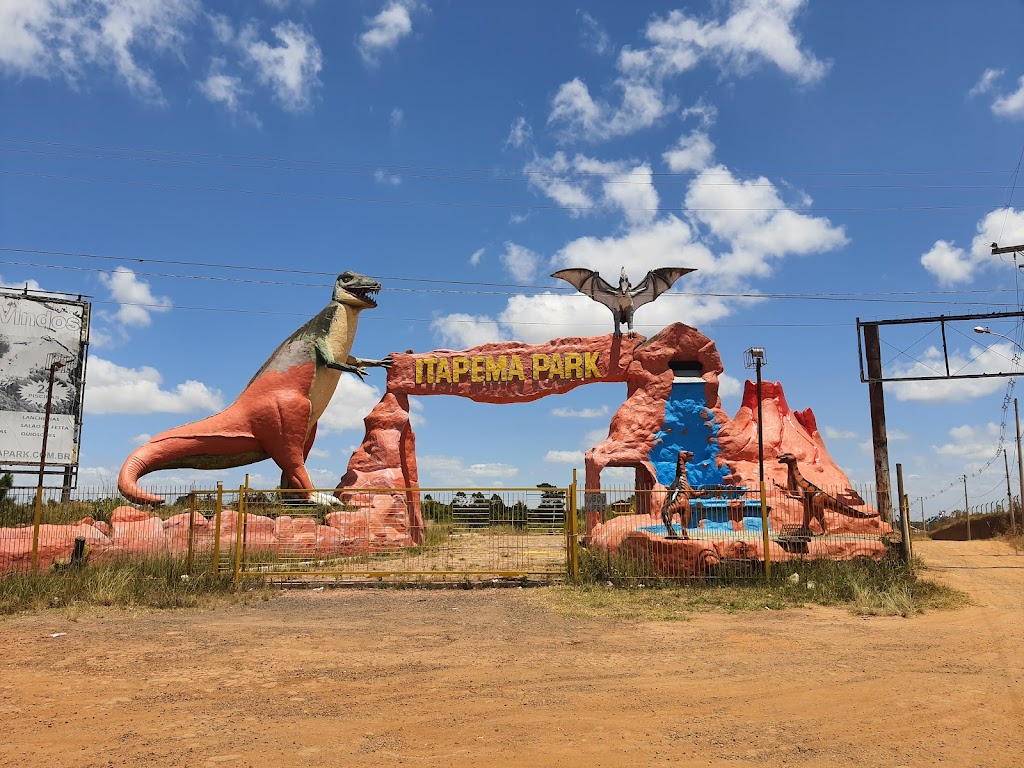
[879, 439]
[1020, 471]
[967, 509]
[1009, 493]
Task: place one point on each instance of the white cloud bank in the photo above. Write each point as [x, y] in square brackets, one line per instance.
[135, 299]
[755, 32]
[386, 30]
[997, 358]
[112, 388]
[63, 38]
[952, 265]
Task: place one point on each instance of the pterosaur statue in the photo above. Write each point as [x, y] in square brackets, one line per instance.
[624, 300]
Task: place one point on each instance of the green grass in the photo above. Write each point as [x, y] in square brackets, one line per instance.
[150, 583]
[619, 587]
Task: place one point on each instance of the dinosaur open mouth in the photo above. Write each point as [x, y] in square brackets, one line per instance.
[365, 293]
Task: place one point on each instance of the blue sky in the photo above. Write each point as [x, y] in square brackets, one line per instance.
[816, 162]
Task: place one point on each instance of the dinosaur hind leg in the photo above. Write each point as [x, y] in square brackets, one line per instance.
[282, 432]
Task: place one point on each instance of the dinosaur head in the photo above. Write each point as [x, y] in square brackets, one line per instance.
[683, 459]
[355, 290]
[787, 459]
[624, 284]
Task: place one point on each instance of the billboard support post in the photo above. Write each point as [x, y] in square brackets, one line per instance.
[56, 362]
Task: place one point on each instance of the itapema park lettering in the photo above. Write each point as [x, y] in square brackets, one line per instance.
[493, 368]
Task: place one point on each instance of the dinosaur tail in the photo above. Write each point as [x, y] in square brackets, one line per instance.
[845, 509]
[139, 463]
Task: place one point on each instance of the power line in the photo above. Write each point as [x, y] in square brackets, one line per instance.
[818, 295]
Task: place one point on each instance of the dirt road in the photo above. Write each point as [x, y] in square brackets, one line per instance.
[489, 678]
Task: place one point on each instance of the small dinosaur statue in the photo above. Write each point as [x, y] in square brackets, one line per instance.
[622, 301]
[678, 499]
[275, 416]
[815, 500]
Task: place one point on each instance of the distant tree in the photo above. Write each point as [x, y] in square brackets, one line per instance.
[6, 483]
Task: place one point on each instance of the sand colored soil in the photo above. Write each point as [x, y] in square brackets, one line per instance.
[490, 678]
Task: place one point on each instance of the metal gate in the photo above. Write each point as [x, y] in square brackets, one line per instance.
[467, 534]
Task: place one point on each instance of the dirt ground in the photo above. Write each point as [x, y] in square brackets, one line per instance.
[490, 678]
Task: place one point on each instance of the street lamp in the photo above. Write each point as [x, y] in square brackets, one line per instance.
[754, 358]
[986, 329]
[1016, 412]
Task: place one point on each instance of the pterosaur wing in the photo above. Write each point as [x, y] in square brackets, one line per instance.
[654, 284]
[590, 283]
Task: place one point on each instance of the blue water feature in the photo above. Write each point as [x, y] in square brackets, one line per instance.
[690, 426]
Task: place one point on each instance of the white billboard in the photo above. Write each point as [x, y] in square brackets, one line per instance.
[35, 331]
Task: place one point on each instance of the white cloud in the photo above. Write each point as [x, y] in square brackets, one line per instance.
[221, 88]
[693, 152]
[396, 118]
[227, 90]
[948, 264]
[519, 261]
[994, 359]
[952, 265]
[564, 457]
[729, 386]
[111, 388]
[520, 134]
[31, 285]
[838, 434]
[141, 439]
[134, 296]
[453, 471]
[291, 69]
[549, 175]
[593, 35]
[61, 38]
[475, 257]
[1012, 104]
[751, 216]
[986, 82]
[388, 179]
[352, 401]
[579, 115]
[756, 32]
[577, 183]
[582, 413]
[705, 113]
[462, 331]
[971, 443]
[386, 30]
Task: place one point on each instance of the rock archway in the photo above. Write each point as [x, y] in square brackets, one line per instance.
[672, 403]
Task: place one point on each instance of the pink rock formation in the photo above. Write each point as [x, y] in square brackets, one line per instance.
[385, 460]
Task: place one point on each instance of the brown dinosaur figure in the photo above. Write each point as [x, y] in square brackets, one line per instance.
[815, 500]
[275, 416]
[678, 499]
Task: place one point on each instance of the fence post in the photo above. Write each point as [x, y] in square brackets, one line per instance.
[764, 533]
[904, 516]
[189, 552]
[238, 534]
[572, 544]
[37, 519]
[216, 529]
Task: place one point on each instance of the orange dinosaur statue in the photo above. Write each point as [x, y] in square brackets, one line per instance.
[275, 416]
[815, 500]
[678, 499]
